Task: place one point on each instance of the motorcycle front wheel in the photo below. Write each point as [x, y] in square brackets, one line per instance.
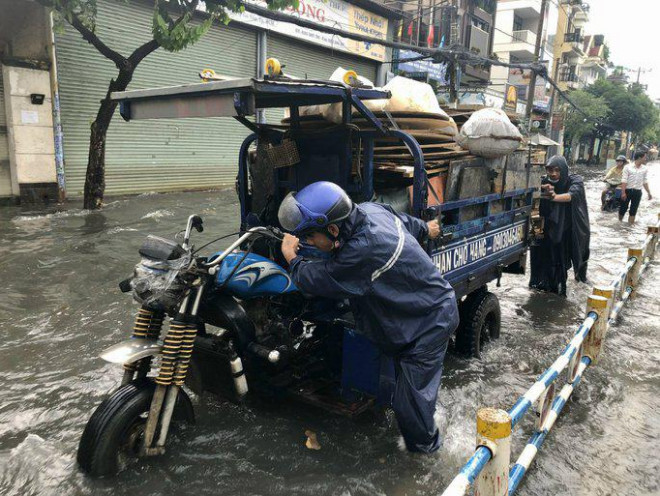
[114, 434]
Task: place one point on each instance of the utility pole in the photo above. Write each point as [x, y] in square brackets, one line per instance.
[537, 52]
[419, 19]
[430, 40]
[553, 136]
[453, 69]
[641, 71]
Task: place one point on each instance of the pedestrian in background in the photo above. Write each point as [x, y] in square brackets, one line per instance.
[632, 181]
[613, 177]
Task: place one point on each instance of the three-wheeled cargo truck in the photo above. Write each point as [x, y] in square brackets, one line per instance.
[237, 323]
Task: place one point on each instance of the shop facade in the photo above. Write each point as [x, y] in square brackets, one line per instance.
[182, 154]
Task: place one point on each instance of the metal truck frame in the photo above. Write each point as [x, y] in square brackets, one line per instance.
[481, 237]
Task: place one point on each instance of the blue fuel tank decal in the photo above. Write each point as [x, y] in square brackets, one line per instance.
[256, 276]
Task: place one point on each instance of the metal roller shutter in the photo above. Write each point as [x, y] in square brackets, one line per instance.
[313, 62]
[157, 155]
[5, 171]
[316, 62]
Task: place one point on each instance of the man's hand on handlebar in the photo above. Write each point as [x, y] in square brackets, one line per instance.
[290, 247]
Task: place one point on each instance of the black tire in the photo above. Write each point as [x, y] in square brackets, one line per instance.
[113, 433]
[480, 322]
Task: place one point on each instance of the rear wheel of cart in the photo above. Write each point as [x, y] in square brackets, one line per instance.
[480, 322]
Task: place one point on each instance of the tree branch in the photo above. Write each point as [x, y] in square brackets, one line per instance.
[142, 51]
[89, 36]
[152, 45]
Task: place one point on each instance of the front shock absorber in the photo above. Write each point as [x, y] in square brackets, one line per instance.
[185, 353]
[170, 353]
[155, 327]
[148, 324]
[176, 353]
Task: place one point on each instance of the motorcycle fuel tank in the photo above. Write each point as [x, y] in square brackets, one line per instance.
[256, 276]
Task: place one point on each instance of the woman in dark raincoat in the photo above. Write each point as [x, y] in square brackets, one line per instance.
[565, 243]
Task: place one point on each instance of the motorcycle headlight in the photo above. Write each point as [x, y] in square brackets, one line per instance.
[159, 282]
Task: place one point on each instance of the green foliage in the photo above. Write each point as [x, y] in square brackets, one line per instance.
[173, 26]
[651, 133]
[630, 108]
[594, 106]
[176, 34]
[606, 53]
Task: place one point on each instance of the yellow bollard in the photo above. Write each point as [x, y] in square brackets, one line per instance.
[606, 292]
[494, 432]
[633, 276]
[593, 343]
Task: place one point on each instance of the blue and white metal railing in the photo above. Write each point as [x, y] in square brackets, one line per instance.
[639, 261]
[534, 444]
[616, 310]
[483, 454]
[548, 377]
[466, 477]
[488, 468]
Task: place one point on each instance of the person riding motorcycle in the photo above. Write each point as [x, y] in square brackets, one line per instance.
[398, 297]
[613, 180]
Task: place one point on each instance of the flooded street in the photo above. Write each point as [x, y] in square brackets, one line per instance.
[60, 307]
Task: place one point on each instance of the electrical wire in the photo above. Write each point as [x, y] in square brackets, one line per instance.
[214, 241]
[547, 52]
[541, 71]
[237, 266]
[455, 55]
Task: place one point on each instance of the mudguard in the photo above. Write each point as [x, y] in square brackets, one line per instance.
[131, 350]
[222, 310]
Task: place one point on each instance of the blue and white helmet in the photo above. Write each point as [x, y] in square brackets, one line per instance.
[314, 208]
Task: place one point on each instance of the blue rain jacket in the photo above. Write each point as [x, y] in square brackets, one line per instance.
[396, 292]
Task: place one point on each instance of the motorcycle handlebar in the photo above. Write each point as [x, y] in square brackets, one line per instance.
[277, 233]
[272, 232]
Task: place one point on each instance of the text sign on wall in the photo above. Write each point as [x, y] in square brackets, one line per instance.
[434, 70]
[331, 13]
[475, 250]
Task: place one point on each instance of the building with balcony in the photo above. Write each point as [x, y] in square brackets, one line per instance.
[516, 26]
[571, 45]
[476, 19]
[594, 66]
[468, 23]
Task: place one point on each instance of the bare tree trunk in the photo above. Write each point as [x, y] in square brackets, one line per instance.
[95, 177]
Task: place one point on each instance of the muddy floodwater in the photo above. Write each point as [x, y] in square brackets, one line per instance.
[60, 307]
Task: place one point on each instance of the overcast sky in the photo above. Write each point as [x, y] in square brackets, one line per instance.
[632, 31]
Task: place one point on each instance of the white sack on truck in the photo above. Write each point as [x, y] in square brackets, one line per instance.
[409, 95]
[332, 112]
[489, 133]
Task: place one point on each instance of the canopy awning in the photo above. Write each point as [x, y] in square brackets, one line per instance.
[539, 140]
